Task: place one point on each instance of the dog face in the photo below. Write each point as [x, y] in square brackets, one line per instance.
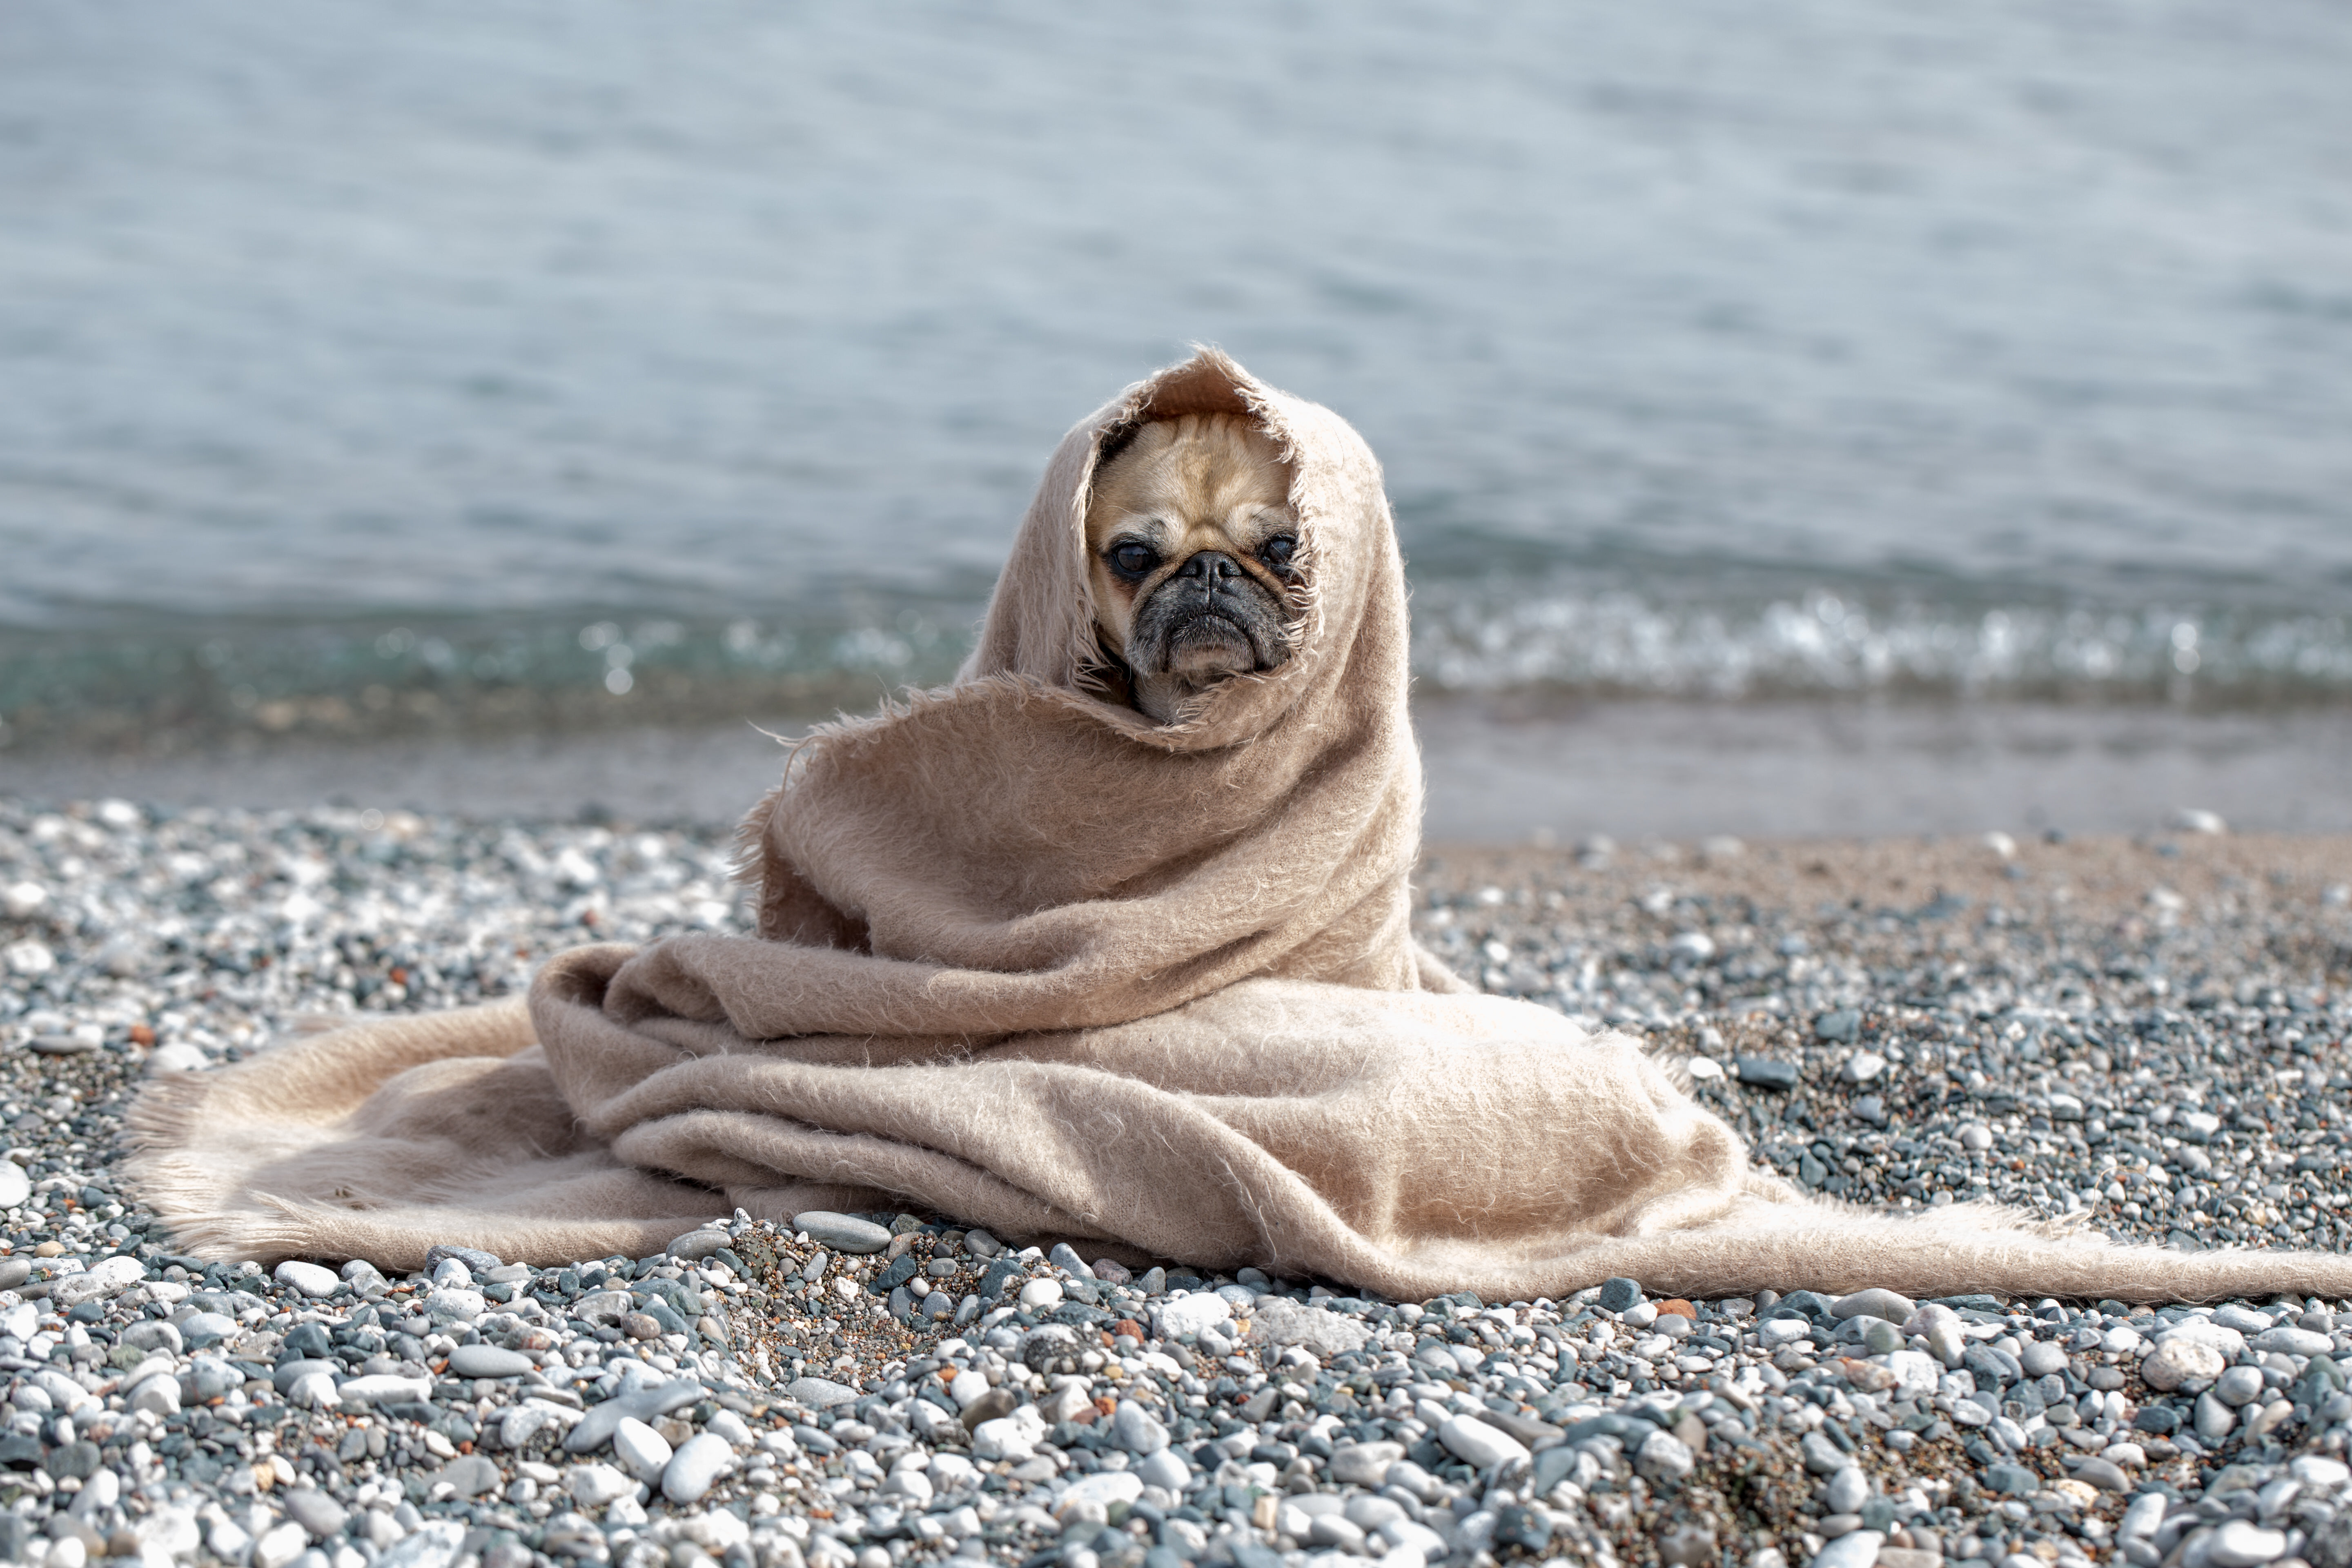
[1190, 538]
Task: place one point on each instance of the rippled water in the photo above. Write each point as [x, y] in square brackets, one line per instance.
[541, 363]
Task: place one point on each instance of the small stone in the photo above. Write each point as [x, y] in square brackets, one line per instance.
[697, 1245]
[1619, 1295]
[2012, 1480]
[477, 1262]
[15, 1187]
[1664, 1456]
[593, 1485]
[1042, 1293]
[1165, 1469]
[1282, 1321]
[490, 1360]
[2318, 1470]
[1845, 1024]
[2178, 1362]
[1179, 1316]
[160, 1394]
[2102, 1474]
[2294, 1341]
[1862, 1067]
[1364, 1464]
[979, 1244]
[993, 1405]
[2041, 1358]
[1821, 1457]
[79, 1460]
[1137, 1430]
[1483, 1447]
[313, 1391]
[309, 1279]
[843, 1233]
[382, 1388]
[1103, 1491]
[472, 1475]
[1874, 1303]
[1066, 1257]
[641, 1449]
[278, 1547]
[455, 1306]
[153, 1334]
[316, 1513]
[2240, 1544]
[1764, 1072]
[593, 1430]
[1847, 1491]
[1854, 1548]
[1528, 1529]
[29, 959]
[176, 1056]
[2238, 1385]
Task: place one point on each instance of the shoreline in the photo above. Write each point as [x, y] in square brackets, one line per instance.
[1499, 773]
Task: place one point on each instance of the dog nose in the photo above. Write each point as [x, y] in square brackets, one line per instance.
[1211, 566]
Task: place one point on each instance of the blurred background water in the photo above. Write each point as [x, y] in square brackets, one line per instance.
[531, 366]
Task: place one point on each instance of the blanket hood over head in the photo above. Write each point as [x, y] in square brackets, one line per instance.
[1028, 960]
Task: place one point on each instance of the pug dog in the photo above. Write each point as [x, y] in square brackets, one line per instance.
[1191, 544]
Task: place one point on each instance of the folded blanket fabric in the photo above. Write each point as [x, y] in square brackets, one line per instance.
[1029, 960]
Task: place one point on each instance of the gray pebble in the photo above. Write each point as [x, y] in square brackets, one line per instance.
[842, 1233]
[2238, 1385]
[477, 1262]
[698, 1245]
[472, 1475]
[2041, 1358]
[490, 1360]
[1874, 1303]
[1137, 1430]
[316, 1513]
[820, 1394]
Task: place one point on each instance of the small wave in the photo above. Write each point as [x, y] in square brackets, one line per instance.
[188, 686]
[1619, 642]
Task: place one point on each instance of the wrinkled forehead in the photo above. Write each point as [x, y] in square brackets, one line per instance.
[1212, 462]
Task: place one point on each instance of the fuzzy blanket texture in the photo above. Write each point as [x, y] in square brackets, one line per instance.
[1029, 961]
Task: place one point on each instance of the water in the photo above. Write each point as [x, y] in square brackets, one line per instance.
[536, 365]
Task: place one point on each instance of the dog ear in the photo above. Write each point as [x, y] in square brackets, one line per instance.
[1115, 440]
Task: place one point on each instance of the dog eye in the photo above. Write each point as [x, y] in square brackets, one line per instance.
[1277, 551]
[1131, 560]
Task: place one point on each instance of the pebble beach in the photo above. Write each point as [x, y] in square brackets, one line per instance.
[2144, 1035]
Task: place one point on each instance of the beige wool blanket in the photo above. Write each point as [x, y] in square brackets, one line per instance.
[1029, 961]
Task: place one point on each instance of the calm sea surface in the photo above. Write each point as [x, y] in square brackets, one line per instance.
[523, 364]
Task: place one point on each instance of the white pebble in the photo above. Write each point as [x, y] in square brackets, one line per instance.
[593, 1485]
[308, 1278]
[696, 1468]
[645, 1451]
